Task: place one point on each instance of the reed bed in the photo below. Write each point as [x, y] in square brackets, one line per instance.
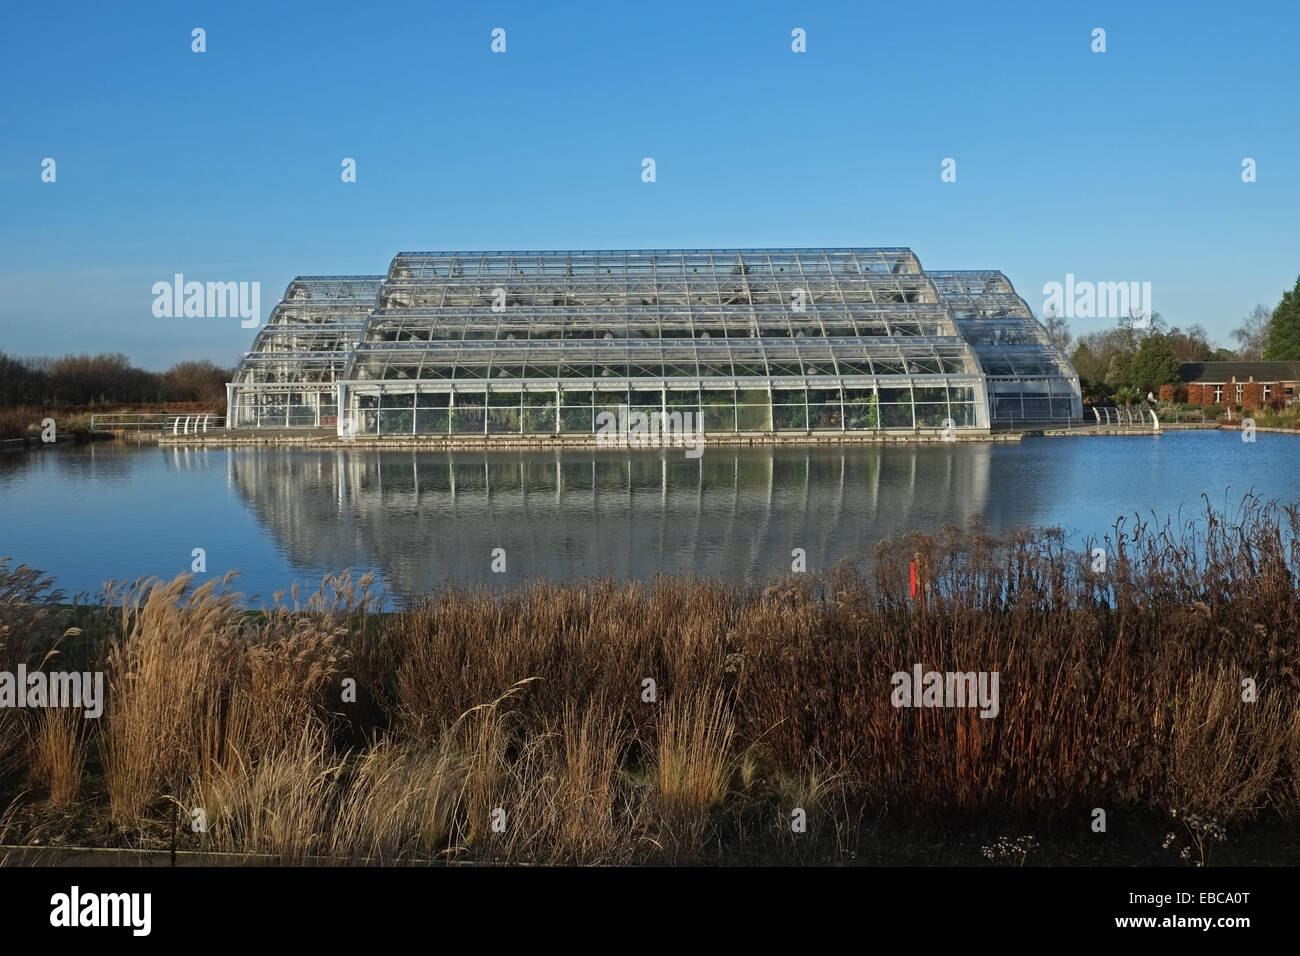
[684, 720]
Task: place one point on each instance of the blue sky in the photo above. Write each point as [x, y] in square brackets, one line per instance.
[225, 165]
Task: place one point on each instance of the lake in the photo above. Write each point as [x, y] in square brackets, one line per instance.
[90, 513]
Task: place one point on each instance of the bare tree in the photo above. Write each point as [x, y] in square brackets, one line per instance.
[1058, 331]
[1252, 334]
[1192, 345]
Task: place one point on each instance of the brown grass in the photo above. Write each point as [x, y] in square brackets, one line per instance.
[20, 421]
[693, 765]
[195, 688]
[1224, 754]
[58, 757]
[32, 620]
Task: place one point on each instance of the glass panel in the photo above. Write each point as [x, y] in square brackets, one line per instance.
[719, 418]
[436, 370]
[539, 421]
[895, 408]
[861, 410]
[1037, 406]
[963, 415]
[467, 420]
[503, 420]
[1007, 406]
[719, 410]
[431, 421]
[301, 415]
[824, 416]
[396, 422]
[930, 415]
[790, 417]
[576, 420]
[754, 418]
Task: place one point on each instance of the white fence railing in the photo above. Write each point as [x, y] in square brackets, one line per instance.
[193, 424]
[1114, 415]
[128, 421]
[167, 423]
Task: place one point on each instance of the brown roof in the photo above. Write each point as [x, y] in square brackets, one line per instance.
[1219, 372]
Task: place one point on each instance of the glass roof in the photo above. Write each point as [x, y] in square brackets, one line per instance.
[652, 262]
[668, 315]
[708, 358]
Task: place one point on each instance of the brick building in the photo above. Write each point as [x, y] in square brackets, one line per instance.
[1247, 385]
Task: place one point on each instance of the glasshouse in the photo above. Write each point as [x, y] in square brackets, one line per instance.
[771, 342]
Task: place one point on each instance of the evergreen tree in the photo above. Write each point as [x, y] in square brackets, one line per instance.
[1154, 364]
[1086, 363]
[1284, 329]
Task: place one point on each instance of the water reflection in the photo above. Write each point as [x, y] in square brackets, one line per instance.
[100, 462]
[86, 514]
[428, 517]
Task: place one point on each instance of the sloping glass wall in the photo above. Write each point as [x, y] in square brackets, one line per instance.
[749, 341]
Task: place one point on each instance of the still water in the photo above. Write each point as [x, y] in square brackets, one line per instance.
[109, 511]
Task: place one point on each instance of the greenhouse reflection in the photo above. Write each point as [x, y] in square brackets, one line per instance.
[426, 518]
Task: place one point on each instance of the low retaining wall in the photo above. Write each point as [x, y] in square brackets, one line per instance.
[314, 439]
[1148, 430]
[1143, 431]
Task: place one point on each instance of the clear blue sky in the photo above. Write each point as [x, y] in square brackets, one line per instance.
[225, 165]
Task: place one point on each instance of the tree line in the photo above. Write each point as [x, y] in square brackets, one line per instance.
[1126, 363]
[106, 379]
